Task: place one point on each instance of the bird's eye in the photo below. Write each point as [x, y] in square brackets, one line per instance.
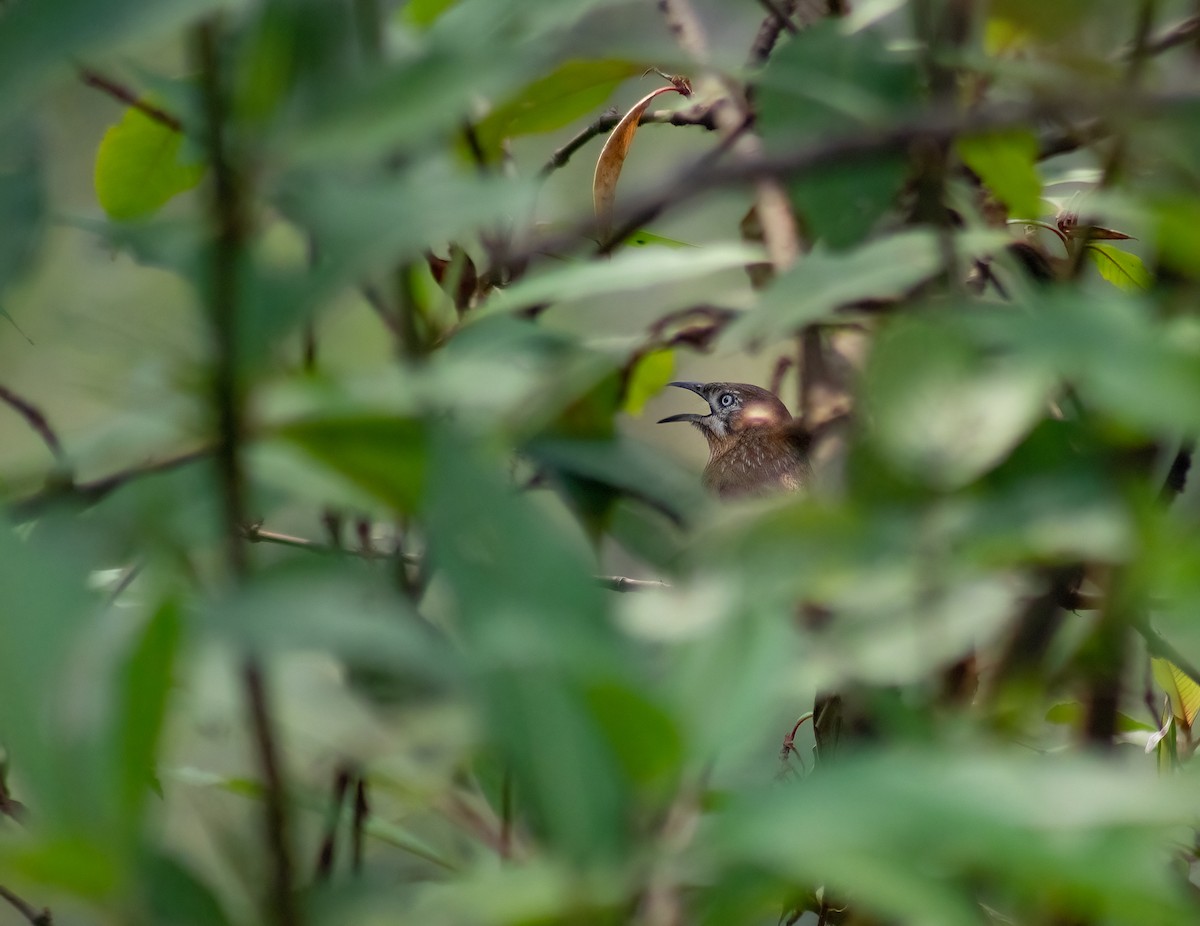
[727, 399]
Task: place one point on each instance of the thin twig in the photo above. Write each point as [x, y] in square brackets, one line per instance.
[123, 94]
[85, 494]
[327, 850]
[254, 533]
[607, 121]
[707, 174]
[230, 222]
[38, 422]
[358, 826]
[1137, 58]
[768, 34]
[781, 16]
[1179, 34]
[34, 916]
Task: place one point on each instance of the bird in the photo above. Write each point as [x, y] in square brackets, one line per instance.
[755, 446]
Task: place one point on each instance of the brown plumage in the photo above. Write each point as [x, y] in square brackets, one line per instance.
[754, 445]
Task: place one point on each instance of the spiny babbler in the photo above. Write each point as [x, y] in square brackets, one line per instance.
[754, 445]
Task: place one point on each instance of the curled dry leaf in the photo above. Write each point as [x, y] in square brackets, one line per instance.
[612, 156]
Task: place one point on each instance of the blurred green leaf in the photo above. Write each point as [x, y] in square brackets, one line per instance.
[651, 372]
[145, 683]
[1150, 381]
[40, 40]
[625, 272]
[533, 623]
[1007, 165]
[45, 611]
[386, 456]
[825, 281]
[424, 13]
[1183, 692]
[1121, 268]
[643, 238]
[22, 201]
[573, 89]
[356, 219]
[173, 894]
[948, 418]
[823, 82]
[904, 835]
[1071, 713]
[138, 166]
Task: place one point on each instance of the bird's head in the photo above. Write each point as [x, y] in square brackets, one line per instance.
[733, 409]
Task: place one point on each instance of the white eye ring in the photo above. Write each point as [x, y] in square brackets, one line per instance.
[726, 400]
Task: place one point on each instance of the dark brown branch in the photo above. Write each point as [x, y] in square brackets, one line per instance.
[1179, 34]
[780, 15]
[607, 121]
[255, 534]
[123, 94]
[362, 812]
[85, 494]
[705, 174]
[34, 916]
[229, 216]
[328, 848]
[38, 422]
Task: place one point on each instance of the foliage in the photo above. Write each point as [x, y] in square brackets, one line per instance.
[310, 619]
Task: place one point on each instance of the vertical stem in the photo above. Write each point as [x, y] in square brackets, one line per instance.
[229, 216]
[506, 814]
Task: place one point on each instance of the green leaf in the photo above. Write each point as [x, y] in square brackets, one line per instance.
[573, 89]
[950, 417]
[642, 238]
[1072, 713]
[907, 835]
[532, 622]
[146, 681]
[651, 372]
[823, 281]
[1006, 162]
[22, 201]
[1121, 268]
[139, 168]
[631, 270]
[175, 895]
[424, 13]
[41, 40]
[1183, 692]
[823, 83]
[385, 456]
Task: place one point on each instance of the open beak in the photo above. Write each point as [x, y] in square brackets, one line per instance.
[687, 416]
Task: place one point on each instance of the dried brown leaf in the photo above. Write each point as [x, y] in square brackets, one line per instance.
[612, 156]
